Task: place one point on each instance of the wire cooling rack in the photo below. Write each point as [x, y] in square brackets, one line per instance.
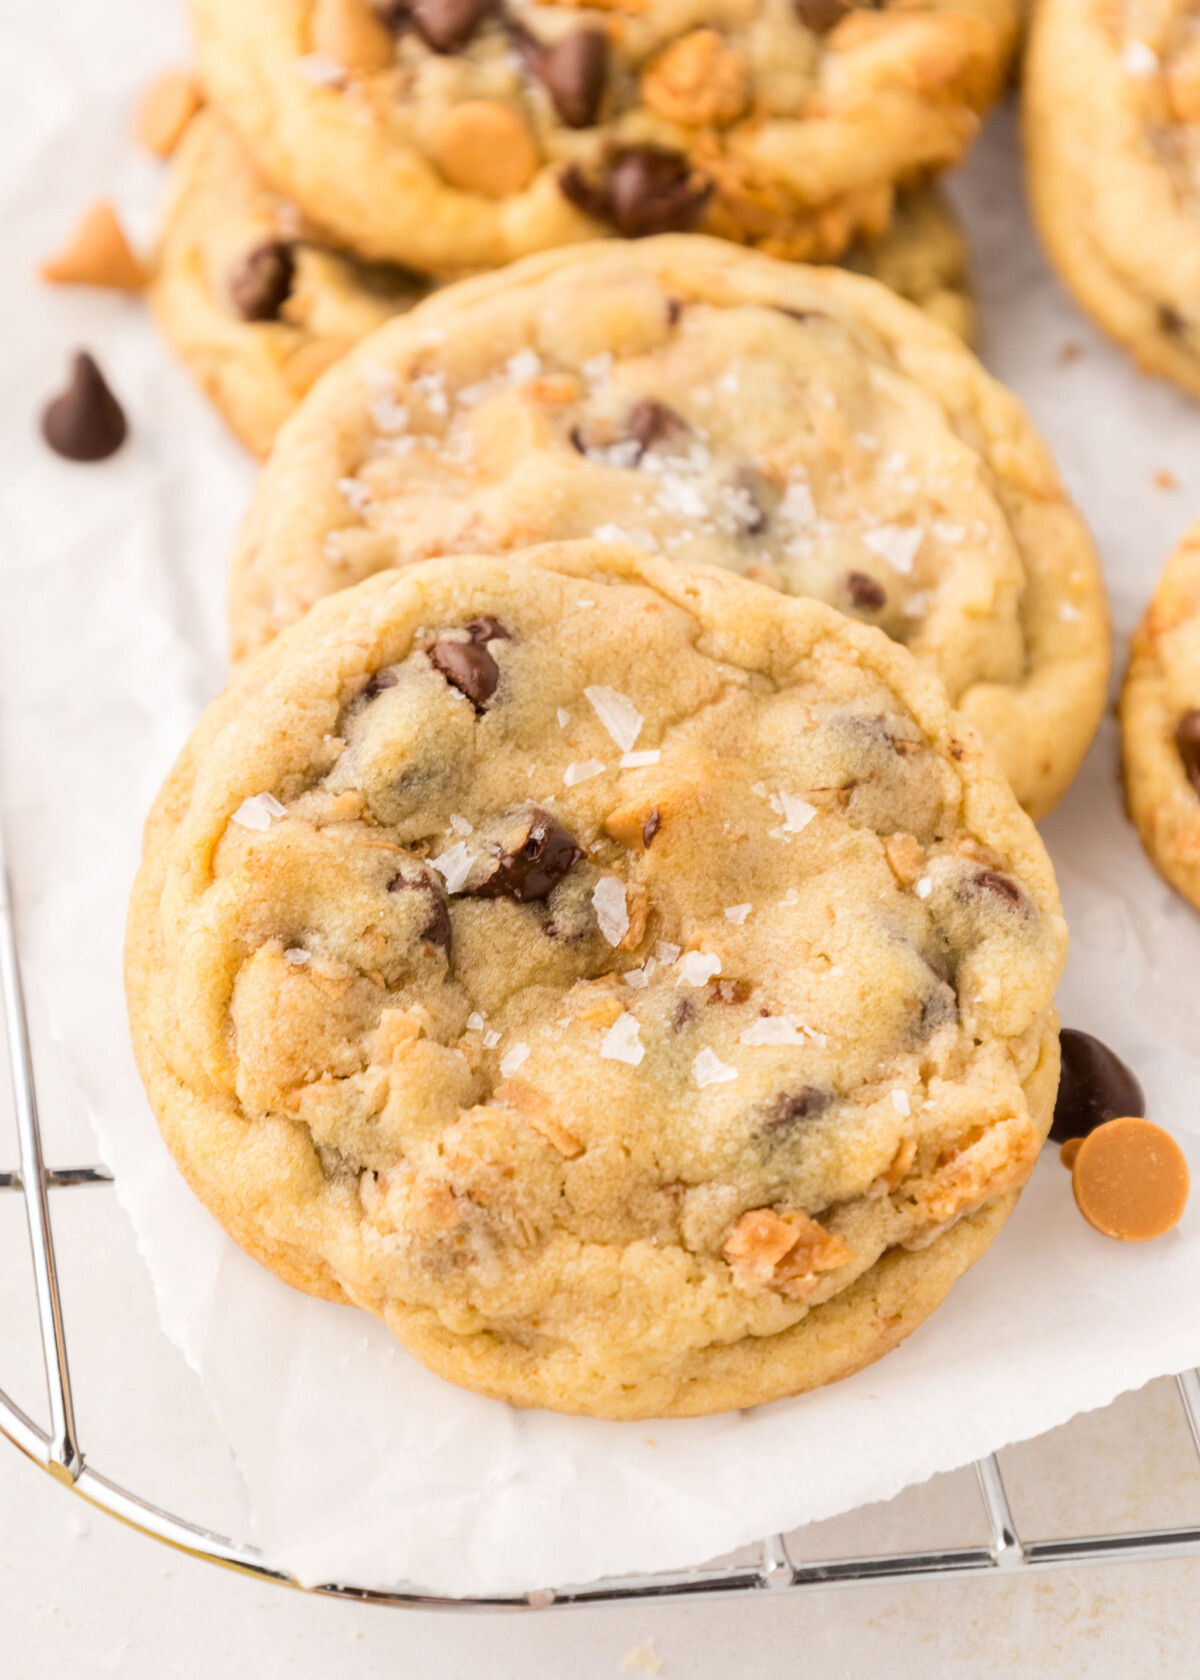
[60, 1451]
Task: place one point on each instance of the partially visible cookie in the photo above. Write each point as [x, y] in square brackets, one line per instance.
[460, 134]
[632, 985]
[803, 426]
[923, 255]
[253, 297]
[1160, 722]
[1112, 138]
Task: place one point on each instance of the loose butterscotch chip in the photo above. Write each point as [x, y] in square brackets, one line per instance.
[167, 105]
[1131, 1180]
[1069, 1151]
[484, 147]
[96, 254]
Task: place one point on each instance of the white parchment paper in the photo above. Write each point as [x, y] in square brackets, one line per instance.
[361, 1465]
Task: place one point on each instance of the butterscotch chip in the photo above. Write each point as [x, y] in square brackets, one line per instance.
[96, 254]
[350, 33]
[484, 147]
[167, 105]
[1069, 1151]
[1131, 1180]
[697, 80]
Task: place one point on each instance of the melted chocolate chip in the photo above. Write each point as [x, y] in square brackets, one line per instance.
[1187, 740]
[674, 311]
[820, 15]
[469, 667]
[682, 1013]
[865, 593]
[377, 684]
[437, 929]
[1095, 1086]
[792, 1106]
[728, 991]
[651, 826]
[86, 422]
[535, 865]
[646, 190]
[574, 72]
[1171, 321]
[485, 628]
[260, 284]
[444, 25]
[990, 880]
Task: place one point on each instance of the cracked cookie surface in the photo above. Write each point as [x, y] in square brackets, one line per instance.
[631, 984]
[1112, 140]
[802, 426]
[459, 134]
[252, 297]
[1160, 722]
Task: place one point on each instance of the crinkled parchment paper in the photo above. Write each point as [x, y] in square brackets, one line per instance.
[361, 1465]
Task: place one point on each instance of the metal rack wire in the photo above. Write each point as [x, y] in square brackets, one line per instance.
[58, 1449]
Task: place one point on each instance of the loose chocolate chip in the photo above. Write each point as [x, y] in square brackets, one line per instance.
[535, 865]
[86, 422]
[1187, 739]
[649, 422]
[651, 826]
[865, 593]
[447, 25]
[574, 72]
[791, 1106]
[990, 880]
[1095, 1086]
[648, 190]
[377, 684]
[437, 930]
[486, 629]
[261, 283]
[469, 667]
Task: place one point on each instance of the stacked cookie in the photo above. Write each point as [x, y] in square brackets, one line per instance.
[597, 931]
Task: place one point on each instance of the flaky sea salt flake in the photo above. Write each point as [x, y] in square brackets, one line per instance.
[296, 956]
[453, 865]
[620, 1042]
[460, 825]
[709, 1069]
[636, 760]
[666, 952]
[774, 1029]
[526, 364]
[475, 1021]
[512, 1059]
[490, 1040]
[608, 901]
[617, 713]
[582, 772]
[897, 544]
[798, 813]
[737, 913]
[901, 1103]
[698, 967]
[257, 812]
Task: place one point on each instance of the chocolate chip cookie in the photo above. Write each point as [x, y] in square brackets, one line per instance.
[1112, 134]
[1160, 723]
[802, 426]
[630, 983]
[251, 295]
[460, 134]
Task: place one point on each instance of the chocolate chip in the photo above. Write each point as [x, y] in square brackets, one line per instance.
[649, 422]
[1095, 1086]
[437, 930]
[651, 826]
[865, 593]
[486, 629]
[377, 684]
[682, 1013]
[85, 423]
[574, 72]
[1171, 321]
[820, 15]
[1187, 739]
[447, 25]
[469, 667]
[539, 860]
[647, 190]
[990, 880]
[745, 503]
[728, 991]
[260, 284]
[674, 311]
[792, 1106]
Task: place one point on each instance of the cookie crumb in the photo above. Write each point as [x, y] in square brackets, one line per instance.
[643, 1656]
[1164, 479]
